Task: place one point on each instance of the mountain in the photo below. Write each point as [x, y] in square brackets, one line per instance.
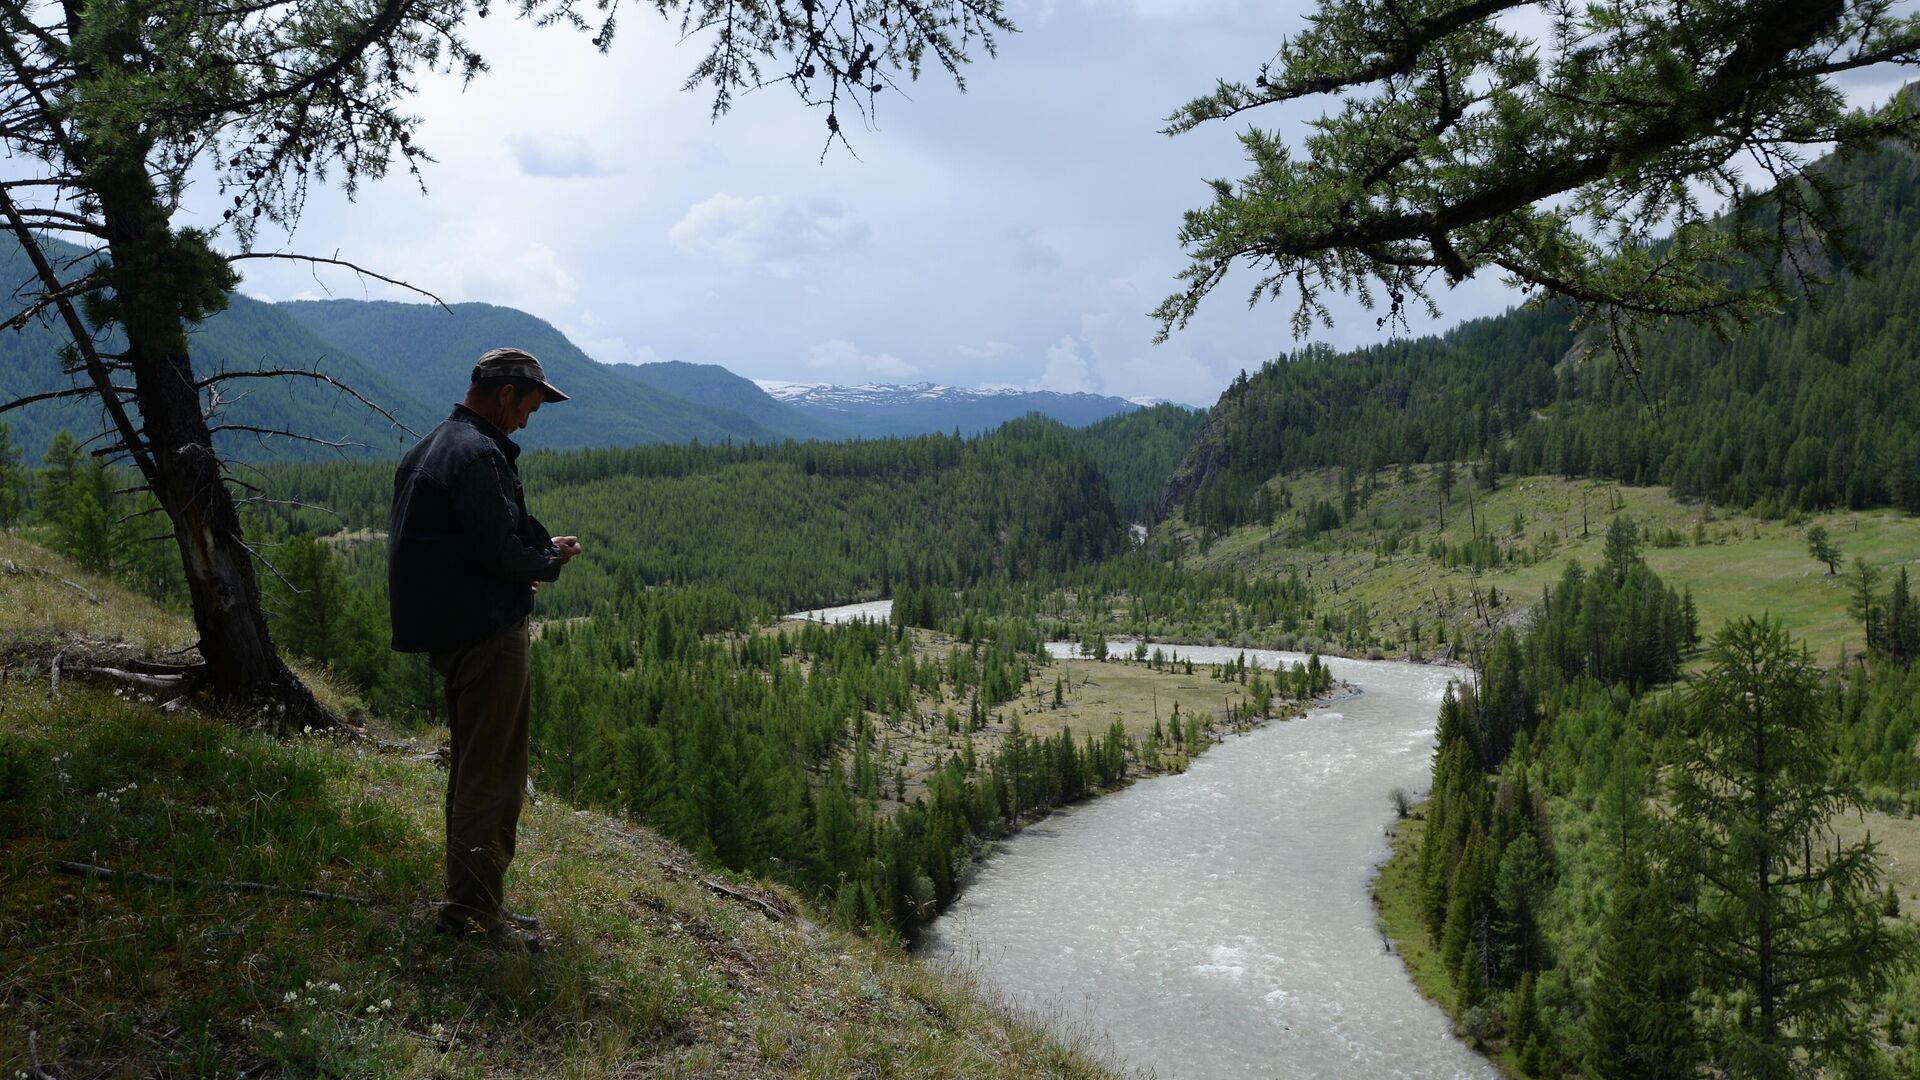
[428, 351]
[1137, 451]
[713, 385]
[1816, 408]
[248, 336]
[874, 410]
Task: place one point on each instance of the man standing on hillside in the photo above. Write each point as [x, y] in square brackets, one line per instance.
[463, 560]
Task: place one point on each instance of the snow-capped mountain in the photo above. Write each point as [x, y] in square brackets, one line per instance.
[878, 409]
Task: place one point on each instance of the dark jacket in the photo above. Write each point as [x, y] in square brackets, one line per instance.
[461, 548]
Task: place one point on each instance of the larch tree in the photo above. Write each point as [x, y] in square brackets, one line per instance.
[1822, 547]
[107, 107]
[1606, 153]
[1785, 918]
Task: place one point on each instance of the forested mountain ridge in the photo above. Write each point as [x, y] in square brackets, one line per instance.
[410, 359]
[1812, 409]
[1137, 451]
[428, 352]
[785, 526]
[249, 335]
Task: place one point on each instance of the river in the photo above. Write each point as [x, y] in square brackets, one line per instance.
[1217, 923]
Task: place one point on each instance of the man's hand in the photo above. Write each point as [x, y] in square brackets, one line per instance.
[568, 546]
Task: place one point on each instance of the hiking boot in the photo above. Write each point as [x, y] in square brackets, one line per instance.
[502, 937]
[499, 935]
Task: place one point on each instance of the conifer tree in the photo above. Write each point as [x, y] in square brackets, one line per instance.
[1786, 917]
[13, 480]
[1822, 548]
[61, 475]
[1640, 1018]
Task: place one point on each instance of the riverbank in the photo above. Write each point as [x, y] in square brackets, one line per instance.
[1396, 892]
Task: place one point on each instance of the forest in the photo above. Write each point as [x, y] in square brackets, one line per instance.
[1627, 873]
[1809, 410]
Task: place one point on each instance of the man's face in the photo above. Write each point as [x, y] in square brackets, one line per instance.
[516, 407]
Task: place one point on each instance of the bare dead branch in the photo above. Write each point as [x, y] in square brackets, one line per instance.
[361, 270]
[75, 391]
[13, 569]
[306, 374]
[82, 338]
[265, 432]
[263, 561]
[262, 500]
[151, 682]
[48, 299]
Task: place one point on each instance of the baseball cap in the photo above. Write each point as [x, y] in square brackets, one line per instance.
[514, 364]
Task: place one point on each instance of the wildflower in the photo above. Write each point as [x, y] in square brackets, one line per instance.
[372, 1009]
[292, 996]
[279, 1034]
[386, 1003]
[335, 987]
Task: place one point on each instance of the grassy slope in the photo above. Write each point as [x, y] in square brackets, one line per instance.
[649, 970]
[1746, 566]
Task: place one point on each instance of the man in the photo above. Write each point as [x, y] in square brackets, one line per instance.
[463, 559]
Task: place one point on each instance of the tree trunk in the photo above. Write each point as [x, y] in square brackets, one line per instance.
[160, 279]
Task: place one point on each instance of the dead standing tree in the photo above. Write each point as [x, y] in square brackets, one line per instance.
[107, 107]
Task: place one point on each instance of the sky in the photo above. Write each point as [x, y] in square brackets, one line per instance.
[1014, 235]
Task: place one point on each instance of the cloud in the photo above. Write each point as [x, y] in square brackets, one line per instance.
[843, 359]
[986, 350]
[615, 350]
[775, 232]
[1037, 255]
[1067, 371]
[500, 268]
[552, 155]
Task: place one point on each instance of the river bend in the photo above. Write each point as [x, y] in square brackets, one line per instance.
[1217, 923]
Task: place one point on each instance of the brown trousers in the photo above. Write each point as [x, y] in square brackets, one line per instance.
[487, 700]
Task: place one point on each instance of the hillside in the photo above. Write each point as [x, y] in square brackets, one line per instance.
[1382, 563]
[1810, 410]
[1137, 451]
[654, 966]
